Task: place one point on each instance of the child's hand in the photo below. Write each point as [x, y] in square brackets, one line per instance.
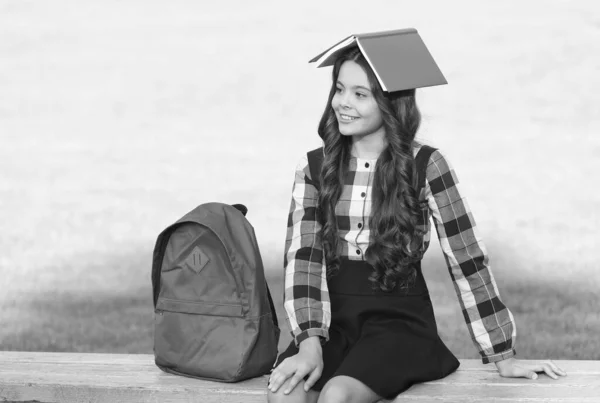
[309, 360]
[513, 368]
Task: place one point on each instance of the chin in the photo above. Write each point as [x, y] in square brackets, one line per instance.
[345, 131]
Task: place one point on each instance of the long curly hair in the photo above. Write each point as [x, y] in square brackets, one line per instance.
[395, 238]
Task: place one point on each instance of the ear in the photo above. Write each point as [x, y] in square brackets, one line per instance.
[243, 209]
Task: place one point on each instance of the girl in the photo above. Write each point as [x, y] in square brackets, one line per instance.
[356, 300]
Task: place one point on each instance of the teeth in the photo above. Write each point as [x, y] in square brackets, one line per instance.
[346, 117]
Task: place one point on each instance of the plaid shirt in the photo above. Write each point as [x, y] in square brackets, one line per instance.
[306, 298]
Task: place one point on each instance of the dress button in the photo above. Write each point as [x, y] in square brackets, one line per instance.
[359, 225]
[366, 164]
[358, 251]
[363, 194]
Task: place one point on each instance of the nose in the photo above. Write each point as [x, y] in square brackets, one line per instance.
[345, 101]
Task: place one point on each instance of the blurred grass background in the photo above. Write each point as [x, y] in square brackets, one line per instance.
[116, 118]
[555, 321]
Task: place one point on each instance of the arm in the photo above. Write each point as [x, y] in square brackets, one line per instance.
[490, 323]
[306, 298]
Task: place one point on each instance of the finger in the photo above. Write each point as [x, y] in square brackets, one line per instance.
[274, 380]
[524, 372]
[271, 380]
[519, 372]
[312, 379]
[274, 383]
[277, 374]
[557, 369]
[298, 376]
[280, 378]
[274, 374]
[548, 370]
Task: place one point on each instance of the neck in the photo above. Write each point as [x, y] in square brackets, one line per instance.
[369, 146]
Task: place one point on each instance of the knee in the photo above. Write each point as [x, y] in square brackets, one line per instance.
[298, 395]
[335, 393]
[277, 397]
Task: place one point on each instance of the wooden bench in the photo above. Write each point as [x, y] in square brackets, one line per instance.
[75, 377]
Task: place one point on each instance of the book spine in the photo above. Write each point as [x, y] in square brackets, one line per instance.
[388, 33]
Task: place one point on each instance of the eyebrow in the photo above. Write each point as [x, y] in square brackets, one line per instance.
[355, 87]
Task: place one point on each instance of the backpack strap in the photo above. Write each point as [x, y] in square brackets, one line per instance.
[273, 311]
[421, 162]
[315, 160]
[244, 210]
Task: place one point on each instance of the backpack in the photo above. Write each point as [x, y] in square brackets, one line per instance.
[214, 315]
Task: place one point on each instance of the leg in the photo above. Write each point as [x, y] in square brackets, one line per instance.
[333, 354]
[344, 389]
[298, 395]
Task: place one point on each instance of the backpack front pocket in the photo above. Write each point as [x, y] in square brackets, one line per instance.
[199, 307]
[199, 339]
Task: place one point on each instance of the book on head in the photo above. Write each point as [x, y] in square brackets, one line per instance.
[399, 58]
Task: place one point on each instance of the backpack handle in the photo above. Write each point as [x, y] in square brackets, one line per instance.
[243, 209]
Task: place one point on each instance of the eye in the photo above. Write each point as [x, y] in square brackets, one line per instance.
[338, 89]
[361, 95]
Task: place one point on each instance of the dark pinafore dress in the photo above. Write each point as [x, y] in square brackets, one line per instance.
[386, 340]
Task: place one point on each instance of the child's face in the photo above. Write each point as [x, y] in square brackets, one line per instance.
[353, 103]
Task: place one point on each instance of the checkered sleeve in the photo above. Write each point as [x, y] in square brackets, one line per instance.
[490, 323]
[306, 298]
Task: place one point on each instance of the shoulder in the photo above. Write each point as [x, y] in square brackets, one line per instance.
[317, 152]
[437, 159]
[438, 162]
[302, 162]
[440, 174]
[314, 156]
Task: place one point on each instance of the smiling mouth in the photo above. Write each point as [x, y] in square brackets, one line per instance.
[347, 118]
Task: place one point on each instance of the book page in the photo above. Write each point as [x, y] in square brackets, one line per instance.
[329, 57]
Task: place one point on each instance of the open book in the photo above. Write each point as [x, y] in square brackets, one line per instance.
[399, 58]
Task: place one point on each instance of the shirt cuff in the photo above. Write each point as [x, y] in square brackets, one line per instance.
[322, 333]
[499, 357]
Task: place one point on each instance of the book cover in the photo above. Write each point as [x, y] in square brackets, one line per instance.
[399, 58]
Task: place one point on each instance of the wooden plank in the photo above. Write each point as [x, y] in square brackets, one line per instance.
[79, 377]
[147, 360]
[144, 363]
[70, 394]
[472, 388]
[576, 366]
[71, 358]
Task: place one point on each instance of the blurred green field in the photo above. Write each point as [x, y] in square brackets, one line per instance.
[554, 321]
[118, 117]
